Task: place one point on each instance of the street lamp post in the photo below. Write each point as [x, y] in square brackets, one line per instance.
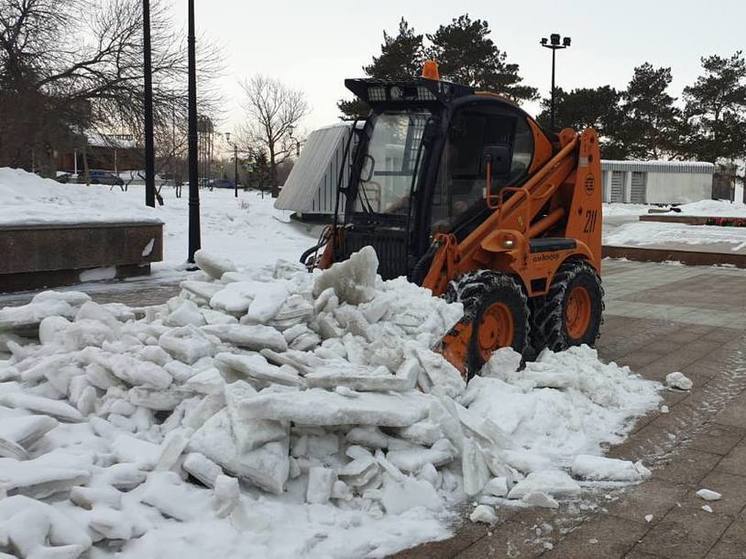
[148, 108]
[194, 228]
[235, 163]
[554, 43]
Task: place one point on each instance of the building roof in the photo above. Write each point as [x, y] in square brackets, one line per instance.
[689, 167]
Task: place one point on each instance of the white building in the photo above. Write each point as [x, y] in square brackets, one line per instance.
[657, 182]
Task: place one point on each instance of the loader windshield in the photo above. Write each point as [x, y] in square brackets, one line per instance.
[392, 161]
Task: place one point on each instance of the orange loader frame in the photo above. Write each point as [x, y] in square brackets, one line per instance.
[569, 186]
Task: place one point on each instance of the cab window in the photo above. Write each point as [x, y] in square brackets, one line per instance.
[475, 137]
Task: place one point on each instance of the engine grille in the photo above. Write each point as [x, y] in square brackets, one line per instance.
[390, 246]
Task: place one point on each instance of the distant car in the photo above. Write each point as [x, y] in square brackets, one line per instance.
[105, 177]
[66, 178]
[221, 183]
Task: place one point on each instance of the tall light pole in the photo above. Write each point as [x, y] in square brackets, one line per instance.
[148, 108]
[194, 229]
[235, 163]
[554, 43]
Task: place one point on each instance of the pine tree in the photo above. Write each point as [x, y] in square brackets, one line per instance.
[651, 121]
[401, 56]
[596, 108]
[401, 59]
[715, 128]
[467, 55]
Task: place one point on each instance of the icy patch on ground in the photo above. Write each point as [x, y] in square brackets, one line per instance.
[285, 414]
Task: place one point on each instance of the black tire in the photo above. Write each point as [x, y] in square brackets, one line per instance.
[549, 328]
[480, 290]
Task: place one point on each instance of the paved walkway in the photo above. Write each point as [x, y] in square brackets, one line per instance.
[659, 318]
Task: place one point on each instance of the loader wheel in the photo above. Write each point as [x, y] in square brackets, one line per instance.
[496, 305]
[571, 313]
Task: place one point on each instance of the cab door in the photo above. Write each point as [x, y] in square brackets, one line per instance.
[485, 145]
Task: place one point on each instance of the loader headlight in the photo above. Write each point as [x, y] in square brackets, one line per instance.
[508, 241]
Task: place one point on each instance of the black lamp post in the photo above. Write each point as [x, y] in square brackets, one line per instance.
[148, 108]
[194, 229]
[555, 44]
[235, 163]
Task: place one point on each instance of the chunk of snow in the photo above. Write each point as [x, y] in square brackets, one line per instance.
[226, 496]
[474, 467]
[679, 381]
[319, 407]
[707, 508]
[54, 408]
[256, 367]
[407, 493]
[497, 487]
[249, 336]
[709, 495]
[137, 451]
[599, 468]
[540, 499]
[320, 483]
[648, 518]
[552, 482]
[353, 280]
[484, 514]
[213, 265]
[202, 468]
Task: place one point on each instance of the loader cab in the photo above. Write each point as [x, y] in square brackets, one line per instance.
[427, 154]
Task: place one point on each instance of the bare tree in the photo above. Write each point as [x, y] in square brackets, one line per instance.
[273, 110]
[67, 66]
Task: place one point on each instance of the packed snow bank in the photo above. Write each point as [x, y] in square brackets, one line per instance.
[27, 199]
[282, 414]
[718, 208]
[247, 229]
[644, 233]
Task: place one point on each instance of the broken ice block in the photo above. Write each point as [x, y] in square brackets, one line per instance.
[319, 407]
[256, 367]
[353, 280]
[250, 336]
[226, 496]
[553, 482]
[213, 265]
[320, 483]
[201, 468]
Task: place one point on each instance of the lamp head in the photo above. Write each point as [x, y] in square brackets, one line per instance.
[555, 38]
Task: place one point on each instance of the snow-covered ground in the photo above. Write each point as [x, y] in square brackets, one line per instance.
[719, 208]
[27, 199]
[276, 413]
[247, 229]
[622, 227]
[643, 233]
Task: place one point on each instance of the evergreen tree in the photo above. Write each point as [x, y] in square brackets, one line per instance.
[401, 58]
[715, 127]
[596, 108]
[467, 55]
[651, 122]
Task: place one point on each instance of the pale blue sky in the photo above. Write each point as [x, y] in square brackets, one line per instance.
[315, 44]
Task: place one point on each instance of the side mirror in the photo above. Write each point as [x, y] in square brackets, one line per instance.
[497, 157]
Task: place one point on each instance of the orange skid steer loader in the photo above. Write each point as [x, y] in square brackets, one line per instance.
[465, 194]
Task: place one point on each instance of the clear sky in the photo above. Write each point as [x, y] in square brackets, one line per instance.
[315, 44]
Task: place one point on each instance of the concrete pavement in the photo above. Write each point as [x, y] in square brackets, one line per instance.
[659, 318]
